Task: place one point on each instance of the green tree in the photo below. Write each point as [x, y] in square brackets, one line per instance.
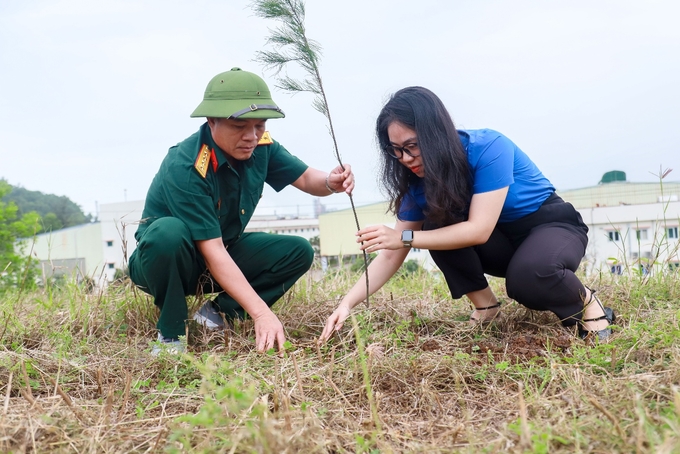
[57, 211]
[409, 267]
[50, 223]
[315, 241]
[13, 266]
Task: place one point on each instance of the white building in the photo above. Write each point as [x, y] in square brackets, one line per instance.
[633, 236]
[95, 250]
[633, 226]
[307, 228]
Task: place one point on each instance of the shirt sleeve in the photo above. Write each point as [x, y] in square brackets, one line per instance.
[492, 164]
[283, 168]
[413, 204]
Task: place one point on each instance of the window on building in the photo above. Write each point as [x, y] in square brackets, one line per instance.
[109, 243]
[674, 266]
[617, 269]
[672, 233]
[614, 235]
[641, 234]
[111, 266]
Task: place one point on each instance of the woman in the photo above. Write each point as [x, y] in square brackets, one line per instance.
[480, 205]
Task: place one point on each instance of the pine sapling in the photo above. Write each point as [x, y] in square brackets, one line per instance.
[291, 44]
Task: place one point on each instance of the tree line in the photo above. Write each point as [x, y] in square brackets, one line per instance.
[25, 213]
[56, 212]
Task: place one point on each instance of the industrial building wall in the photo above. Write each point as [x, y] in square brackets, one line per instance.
[62, 250]
[337, 228]
[337, 231]
[119, 224]
[632, 235]
[306, 228]
[621, 193]
[97, 249]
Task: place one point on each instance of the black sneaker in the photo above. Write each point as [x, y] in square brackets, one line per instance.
[209, 316]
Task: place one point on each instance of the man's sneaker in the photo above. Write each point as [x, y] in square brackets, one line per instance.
[209, 316]
[171, 345]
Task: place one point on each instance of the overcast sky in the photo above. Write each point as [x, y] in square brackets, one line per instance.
[93, 93]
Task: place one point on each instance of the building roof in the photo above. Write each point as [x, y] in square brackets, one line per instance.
[621, 193]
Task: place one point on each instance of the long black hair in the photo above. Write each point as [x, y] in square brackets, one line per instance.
[447, 179]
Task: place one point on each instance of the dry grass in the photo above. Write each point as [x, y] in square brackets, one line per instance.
[76, 376]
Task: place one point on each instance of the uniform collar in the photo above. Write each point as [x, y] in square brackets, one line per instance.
[206, 138]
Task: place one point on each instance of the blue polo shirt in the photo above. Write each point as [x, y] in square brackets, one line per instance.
[495, 162]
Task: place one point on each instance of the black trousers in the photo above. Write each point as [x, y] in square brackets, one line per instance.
[537, 255]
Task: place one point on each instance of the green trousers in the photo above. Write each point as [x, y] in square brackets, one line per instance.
[168, 266]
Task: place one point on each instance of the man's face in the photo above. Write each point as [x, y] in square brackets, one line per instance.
[237, 138]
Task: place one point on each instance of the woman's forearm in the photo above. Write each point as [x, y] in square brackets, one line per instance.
[381, 269]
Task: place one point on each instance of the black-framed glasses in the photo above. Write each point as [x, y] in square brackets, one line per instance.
[410, 149]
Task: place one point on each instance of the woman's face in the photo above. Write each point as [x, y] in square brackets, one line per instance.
[404, 141]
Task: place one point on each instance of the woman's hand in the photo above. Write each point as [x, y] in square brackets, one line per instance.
[334, 323]
[377, 237]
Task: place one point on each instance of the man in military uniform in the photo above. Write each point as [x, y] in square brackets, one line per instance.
[191, 238]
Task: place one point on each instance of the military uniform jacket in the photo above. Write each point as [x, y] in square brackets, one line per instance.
[197, 184]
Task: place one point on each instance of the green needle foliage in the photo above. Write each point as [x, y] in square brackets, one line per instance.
[291, 44]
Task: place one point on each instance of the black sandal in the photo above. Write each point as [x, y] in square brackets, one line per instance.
[476, 320]
[609, 315]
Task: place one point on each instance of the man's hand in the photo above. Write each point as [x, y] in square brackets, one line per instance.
[334, 323]
[321, 184]
[340, 180]
[268, 330]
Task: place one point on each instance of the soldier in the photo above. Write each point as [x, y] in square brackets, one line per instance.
[191, 238]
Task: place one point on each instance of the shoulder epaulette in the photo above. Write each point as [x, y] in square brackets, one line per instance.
[266, 139]
[205, 157]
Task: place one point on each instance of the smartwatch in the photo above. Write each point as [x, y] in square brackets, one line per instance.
[407, 237]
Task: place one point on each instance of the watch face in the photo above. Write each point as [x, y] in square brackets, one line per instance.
[407, 236]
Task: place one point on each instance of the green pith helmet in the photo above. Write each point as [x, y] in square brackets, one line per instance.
[237, 94]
